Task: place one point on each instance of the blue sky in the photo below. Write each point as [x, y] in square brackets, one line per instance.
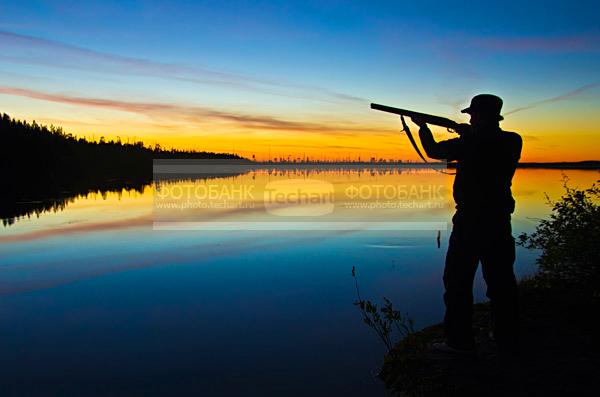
[306, 62]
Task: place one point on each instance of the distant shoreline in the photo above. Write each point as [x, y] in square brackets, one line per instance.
[572, 165]
[577, 165]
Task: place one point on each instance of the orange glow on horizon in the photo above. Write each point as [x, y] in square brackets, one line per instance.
[377, 137]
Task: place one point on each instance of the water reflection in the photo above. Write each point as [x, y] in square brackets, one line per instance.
[94, 290]
[26, 200]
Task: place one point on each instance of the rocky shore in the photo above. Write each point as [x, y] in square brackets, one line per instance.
[560, 354]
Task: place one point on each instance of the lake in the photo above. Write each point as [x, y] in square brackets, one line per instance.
[147, 292]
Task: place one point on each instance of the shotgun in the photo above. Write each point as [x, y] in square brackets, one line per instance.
[452, 126]
[428, 118]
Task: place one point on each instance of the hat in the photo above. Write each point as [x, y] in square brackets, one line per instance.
[485, 104]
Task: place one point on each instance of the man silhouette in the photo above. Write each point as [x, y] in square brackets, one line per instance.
[486, 160]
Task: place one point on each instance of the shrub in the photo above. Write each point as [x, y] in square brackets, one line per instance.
[385, 320]
[569, 242]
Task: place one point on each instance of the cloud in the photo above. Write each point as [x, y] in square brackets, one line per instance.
[550, 44]
[196, 114]
[37, 51]
[309, 146]
[558, 98]
[460, 53]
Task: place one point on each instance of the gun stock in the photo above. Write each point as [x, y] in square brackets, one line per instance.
[428, 118]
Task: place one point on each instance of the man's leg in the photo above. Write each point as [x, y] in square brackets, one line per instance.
[498, 258]
[461, 265]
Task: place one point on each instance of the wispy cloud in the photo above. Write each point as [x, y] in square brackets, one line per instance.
[461, 53]
[25, 49]
[550, 44]
[197, 114]
[531, 138]
[557, 98]
[309, 146]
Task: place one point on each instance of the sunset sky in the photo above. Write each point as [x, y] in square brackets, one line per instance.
[295, 79]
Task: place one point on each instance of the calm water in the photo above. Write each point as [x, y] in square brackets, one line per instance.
[93, 299]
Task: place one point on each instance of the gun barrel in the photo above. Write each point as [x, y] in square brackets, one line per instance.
[428, 118]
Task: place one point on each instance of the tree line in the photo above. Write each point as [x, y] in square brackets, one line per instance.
[41, 162]
[31, 149]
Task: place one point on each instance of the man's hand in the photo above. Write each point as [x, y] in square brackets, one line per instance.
[463, 129]
[419, 121]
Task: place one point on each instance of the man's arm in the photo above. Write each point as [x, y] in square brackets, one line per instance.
[444, 150]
